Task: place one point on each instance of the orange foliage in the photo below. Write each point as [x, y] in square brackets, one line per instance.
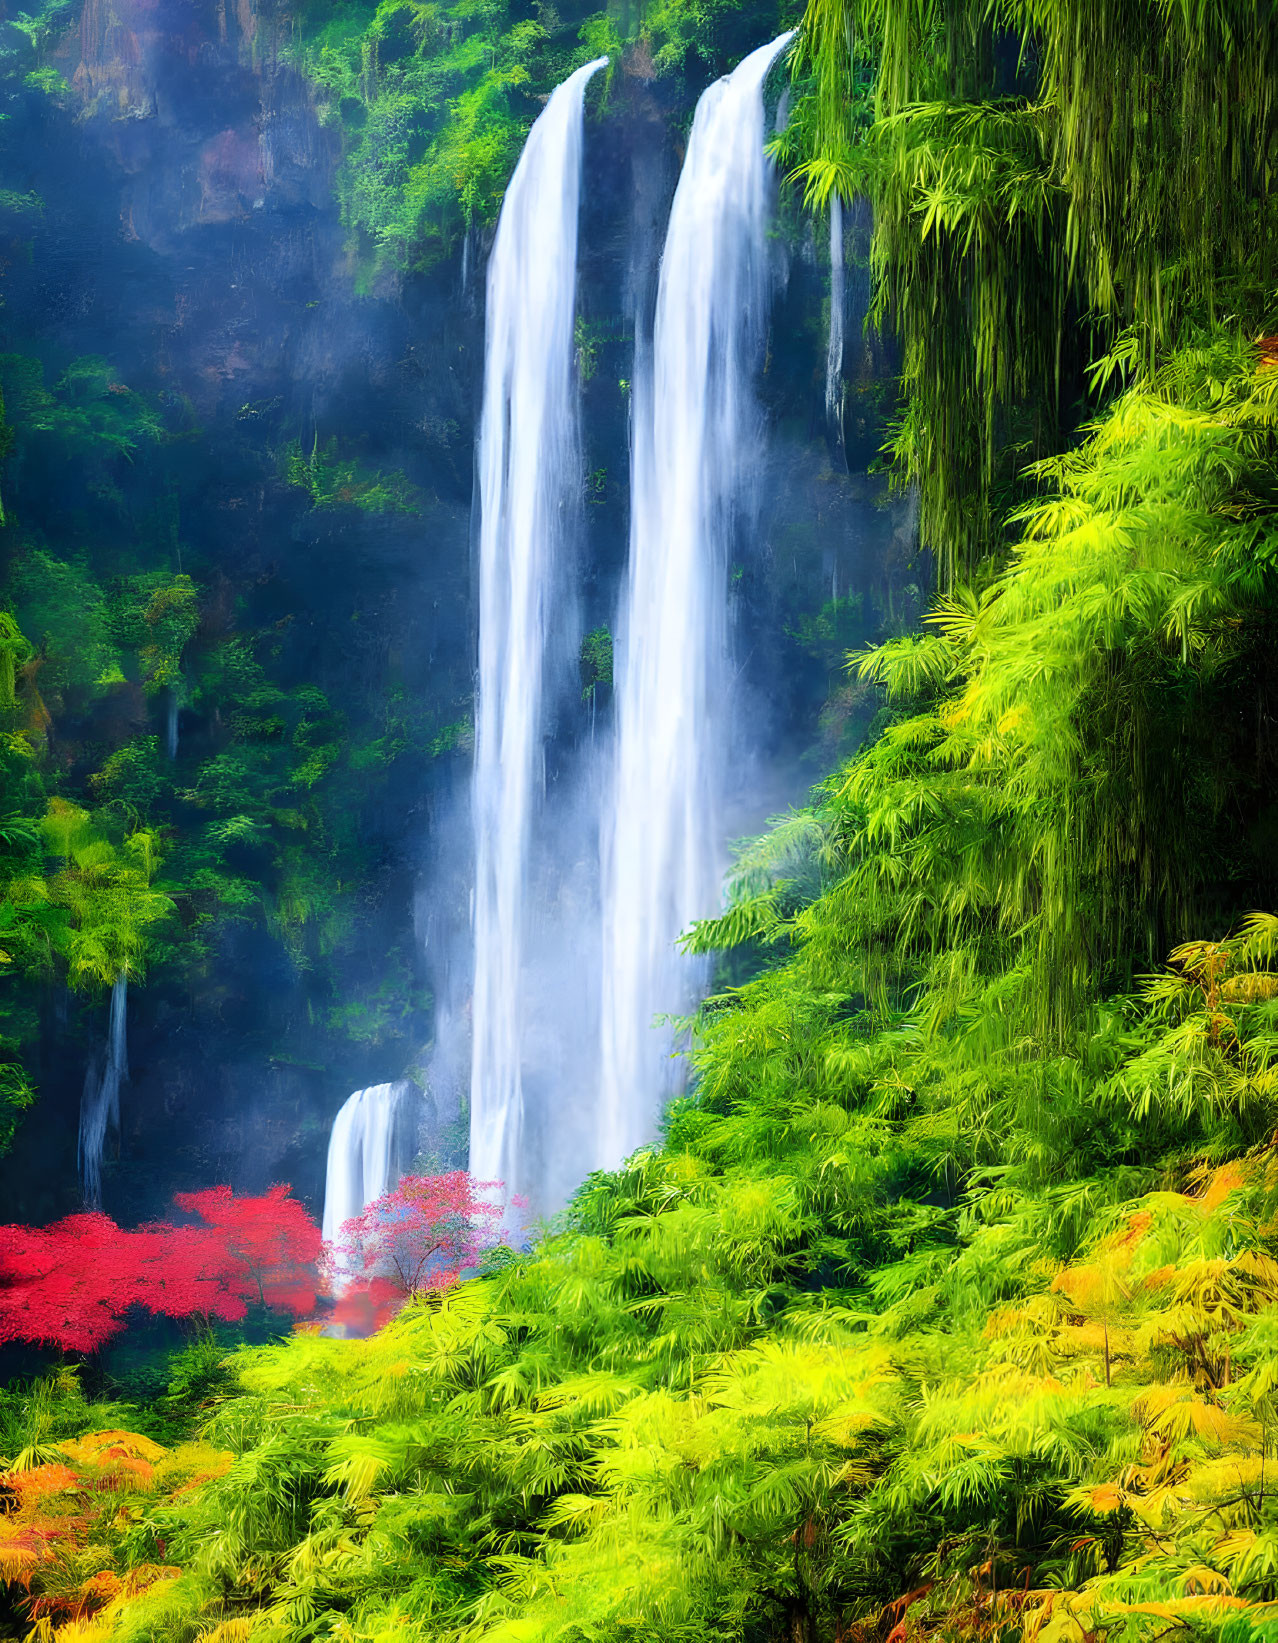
[20, 1555]
[121, 1471]
[41, 1482]
[61, 1518]
[94, 1444]
[1221, 1182]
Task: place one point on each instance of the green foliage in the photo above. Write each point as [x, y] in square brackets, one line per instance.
[34, 1416]
[1029, 163]
[843, 1345]
[830, 633]
[17, 1093]
[199, 1377]
[67, 616]
[433, 100]
[1064, 793]
[44, 26]
[331, 482]
[381, 1012]
[771, 878]
[157, 616]
[124, 846]
[946, 1307]
[595, 663]
[105, 892]
[89, 414]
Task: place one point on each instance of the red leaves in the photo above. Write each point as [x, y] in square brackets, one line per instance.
[272, 1239]
[71, 1284]
[65, 1284]
[362, 1308]
[421, 1236]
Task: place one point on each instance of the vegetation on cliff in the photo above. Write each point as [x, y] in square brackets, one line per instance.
[162, 779]
[432, 102]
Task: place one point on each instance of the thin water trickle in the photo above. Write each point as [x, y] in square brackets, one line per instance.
[834, 350]
[696, 441]
[171, 723]
[100, 1102]
[528, 477]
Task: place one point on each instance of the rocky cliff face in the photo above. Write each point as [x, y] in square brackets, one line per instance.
[189, 235]
[223, 172]
[193, 99]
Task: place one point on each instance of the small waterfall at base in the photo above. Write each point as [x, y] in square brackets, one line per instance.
[367, 1151]
[695, 446]
[100, 1103]
[834, 351]
[529, 480]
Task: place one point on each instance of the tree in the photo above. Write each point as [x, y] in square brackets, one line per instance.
[67, 1285]
[421, 1236]
[272, 1239]
[72, 1284]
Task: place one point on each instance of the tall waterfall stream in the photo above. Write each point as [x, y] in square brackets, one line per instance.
[696, 434]
[529, 473]
[100, 1103]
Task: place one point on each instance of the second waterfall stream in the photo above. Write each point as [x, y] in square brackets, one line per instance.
[697, 435]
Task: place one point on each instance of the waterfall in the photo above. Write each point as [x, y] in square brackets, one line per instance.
[695, 444]
[529, 481]
[100, 1102]
[366, 1150]
[834, 352]
[171, 723]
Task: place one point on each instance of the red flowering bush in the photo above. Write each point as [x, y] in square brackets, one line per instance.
[272, 1241]
[73, 1283]
[422, 1236]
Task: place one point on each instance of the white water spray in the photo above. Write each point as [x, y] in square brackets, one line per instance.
[529, 477]
[366, 1150]
[100, 1103]
[695, 445]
